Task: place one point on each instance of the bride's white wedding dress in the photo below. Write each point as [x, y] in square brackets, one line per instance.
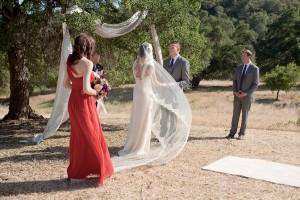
[155, 95]
[139, 132]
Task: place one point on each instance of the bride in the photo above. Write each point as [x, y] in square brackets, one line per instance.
[155, 91]
[139, 133]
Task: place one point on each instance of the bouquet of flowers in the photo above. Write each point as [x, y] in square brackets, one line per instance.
[101, 86]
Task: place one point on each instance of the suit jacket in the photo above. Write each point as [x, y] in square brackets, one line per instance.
[179, 71]
[250, 80]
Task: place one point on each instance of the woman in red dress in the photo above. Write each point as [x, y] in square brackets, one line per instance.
[88, 150]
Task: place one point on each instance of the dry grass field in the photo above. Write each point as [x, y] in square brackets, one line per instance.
[39, 171]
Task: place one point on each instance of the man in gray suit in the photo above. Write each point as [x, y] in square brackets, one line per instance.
[245, 82]
[179, 68]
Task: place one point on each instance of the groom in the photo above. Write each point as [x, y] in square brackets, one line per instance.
[245, 82]
[179, 68]
[97, 68]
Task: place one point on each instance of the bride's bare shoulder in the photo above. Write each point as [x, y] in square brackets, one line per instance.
[86, 62]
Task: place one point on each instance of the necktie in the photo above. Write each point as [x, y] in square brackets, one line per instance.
[172, 62]
[243, 76]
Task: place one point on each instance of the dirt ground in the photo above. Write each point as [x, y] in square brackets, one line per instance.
[39, 171]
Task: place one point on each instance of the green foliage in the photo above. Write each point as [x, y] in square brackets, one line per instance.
[212, 34]
[282, 77]
[282, 43]
[81, 22]
[122, 73]
[175, 21]
[231, 25]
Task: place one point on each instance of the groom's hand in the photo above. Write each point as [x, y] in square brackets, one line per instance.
[242, 94]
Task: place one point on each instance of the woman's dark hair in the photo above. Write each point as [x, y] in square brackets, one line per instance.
[84, 45]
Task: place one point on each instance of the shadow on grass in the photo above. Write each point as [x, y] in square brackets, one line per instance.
[222, 88]
[50, 153]
[265, 101]
[13, 132]
[43, 186]
[205, 138]
[208, 88]
[278, 103]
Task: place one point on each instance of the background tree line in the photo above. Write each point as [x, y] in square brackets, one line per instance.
[212, 34]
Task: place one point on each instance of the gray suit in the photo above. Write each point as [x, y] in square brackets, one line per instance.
[248, 85]
[179, 71]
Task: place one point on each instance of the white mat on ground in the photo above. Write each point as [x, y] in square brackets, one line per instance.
[258, 169]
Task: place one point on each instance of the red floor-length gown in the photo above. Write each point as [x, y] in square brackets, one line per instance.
[88, 149]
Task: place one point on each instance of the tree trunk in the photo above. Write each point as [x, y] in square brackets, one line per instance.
[205, 73]
[15, 18]
[19, 85]
[277, 96]
[199, 77]
[156, 45]
[196, 80]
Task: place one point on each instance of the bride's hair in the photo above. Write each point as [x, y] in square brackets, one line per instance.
[84, 46]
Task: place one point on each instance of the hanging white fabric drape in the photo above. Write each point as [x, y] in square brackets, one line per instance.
[59, 112]
[116, 30]
[74, 9]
